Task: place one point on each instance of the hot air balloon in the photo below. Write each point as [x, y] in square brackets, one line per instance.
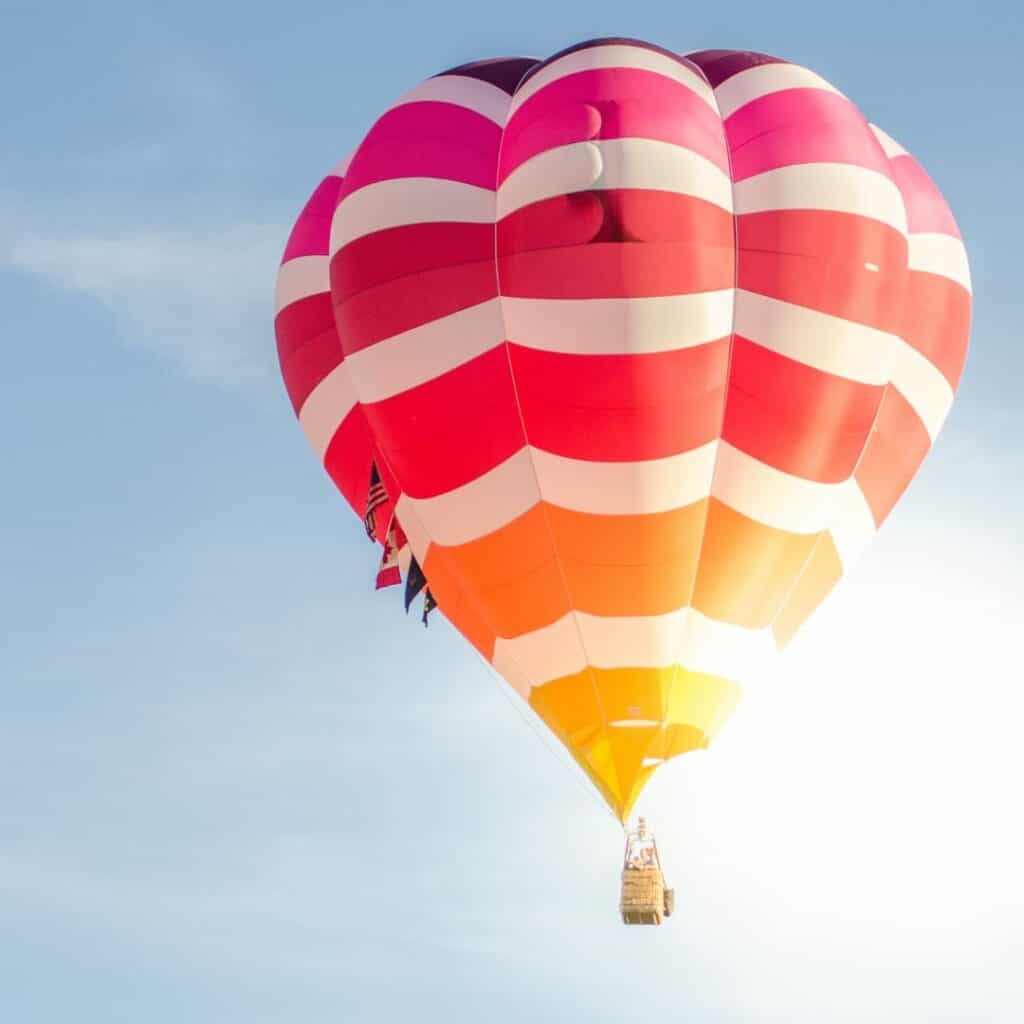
[643, 348]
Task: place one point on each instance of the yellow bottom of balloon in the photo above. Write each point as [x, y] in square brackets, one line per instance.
[621, 724]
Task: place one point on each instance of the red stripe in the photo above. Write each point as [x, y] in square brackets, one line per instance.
[613, 103]
[307, 344]
[555, 223]
[818, 259]
[396, 252]
[800, 126]
[897, 447]
[617, 270]
[615, 215]
[621, 408]
[348, 458]
[796, 418]
[397, 306]
[302, 320]
[937, 322]
[452, 429]
[427, 140]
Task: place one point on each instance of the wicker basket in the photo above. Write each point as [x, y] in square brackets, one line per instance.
[643, 896]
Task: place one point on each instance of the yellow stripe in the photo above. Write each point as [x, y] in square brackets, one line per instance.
[687, 709]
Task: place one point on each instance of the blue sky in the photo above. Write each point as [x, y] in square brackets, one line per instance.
[234, 780]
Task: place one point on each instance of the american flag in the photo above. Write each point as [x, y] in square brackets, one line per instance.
[377, 497]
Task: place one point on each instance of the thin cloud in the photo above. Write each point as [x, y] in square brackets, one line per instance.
[200, 299]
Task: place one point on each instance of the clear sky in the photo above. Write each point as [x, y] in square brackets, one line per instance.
[234, 780]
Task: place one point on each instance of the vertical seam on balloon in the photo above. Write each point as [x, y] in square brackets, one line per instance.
[526, 440]
[464, 592]
[685, 631]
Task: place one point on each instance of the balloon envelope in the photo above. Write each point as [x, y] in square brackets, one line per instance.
[647, 348]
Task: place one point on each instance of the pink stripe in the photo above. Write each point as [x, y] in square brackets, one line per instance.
[427, 140]
[620, 103]
[927, 210]
[575, 122]
[800, 126]
[312, 232]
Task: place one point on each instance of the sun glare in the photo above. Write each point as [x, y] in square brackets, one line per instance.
[867, 780]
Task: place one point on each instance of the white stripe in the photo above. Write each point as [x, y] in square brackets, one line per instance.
[661, 323]
[326, 407]
[845, 188]
[299, 278]
[614, 55]
[404, 559]
[509, 490]
[852, 525]
[483, 505]
[940, 254]
[750, 487]
[614, 163]
[399, 201]
[415, 534]
[747, 485]
[923, 386]
[684, 636]
[626, 488]
[764, 79]
[825, 342]
[472, 93]
[545, 654]
[791, 503]
[889, 145]
[515, 677]
[722, 649]
[553, 172]
[414, 357]
[854, 530]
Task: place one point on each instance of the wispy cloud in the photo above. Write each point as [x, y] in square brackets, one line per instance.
[157, 225]
[198, 297]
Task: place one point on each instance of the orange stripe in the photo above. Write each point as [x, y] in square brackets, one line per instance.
[629, 565]
[453, 598]
[612, 565]
[821, 573]
[747, 568]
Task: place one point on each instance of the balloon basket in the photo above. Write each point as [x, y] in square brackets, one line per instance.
[644, 898]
